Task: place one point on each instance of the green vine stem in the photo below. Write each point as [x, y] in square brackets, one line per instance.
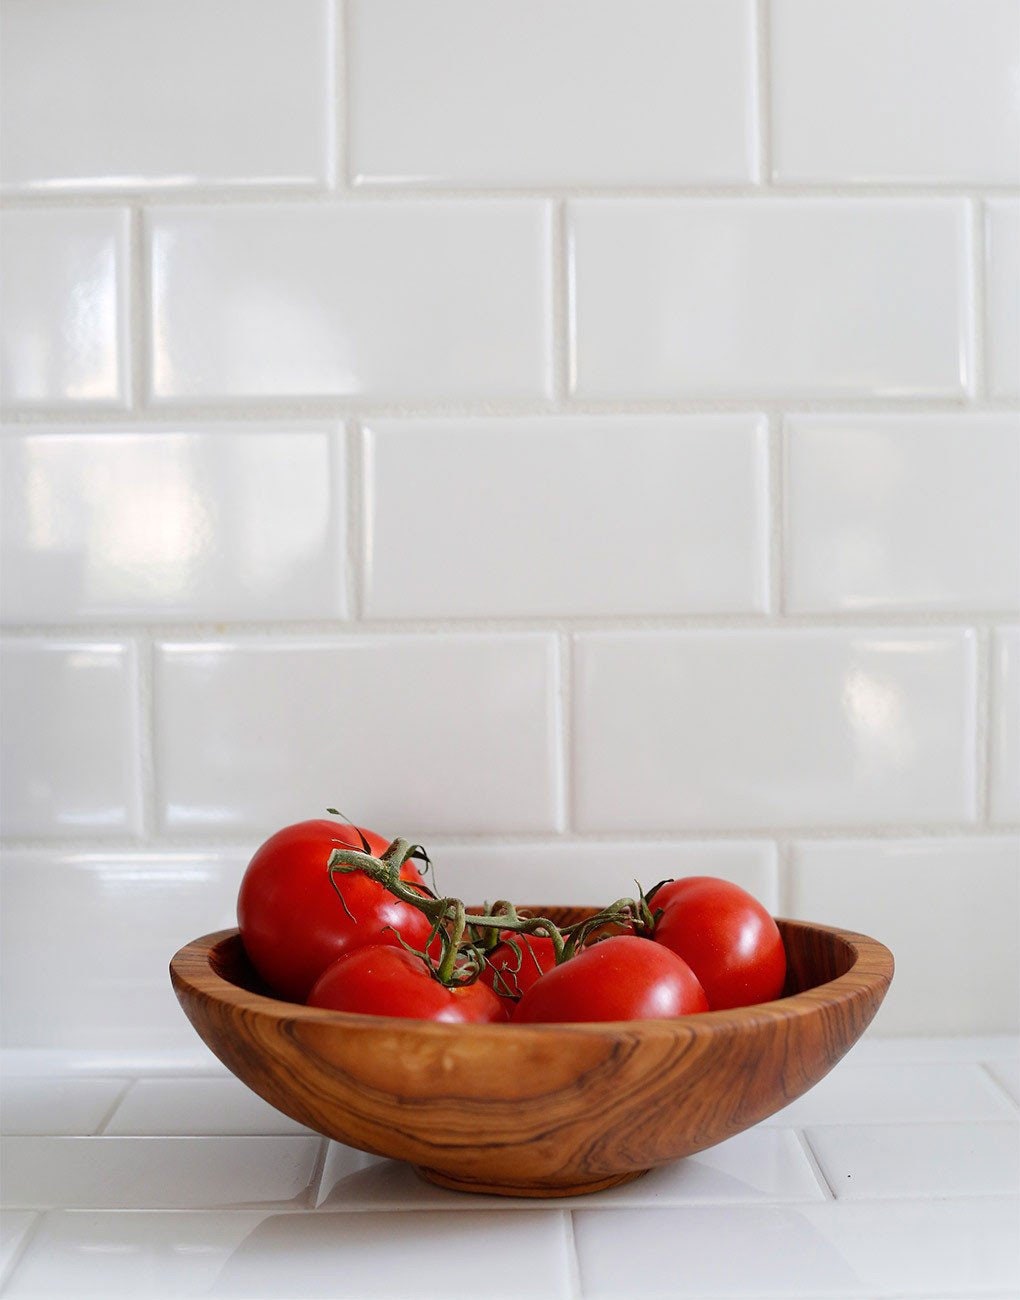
[450, 919]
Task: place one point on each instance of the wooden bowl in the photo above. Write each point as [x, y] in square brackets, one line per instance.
[537, 1110]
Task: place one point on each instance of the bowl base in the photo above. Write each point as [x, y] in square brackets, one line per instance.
[544, 1190]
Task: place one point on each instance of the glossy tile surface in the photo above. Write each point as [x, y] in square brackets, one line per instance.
[799, 728]
[925, 1128]
[164, 93]
[944, 71]
[63, 334]
[930, 1248]
[70, 738]
[678, 297]
[141, 907]
[15, 1225]
[972, 905]
[69, 1106]
[1005, 726]
[138, 1254]
[594, 873]
[156, 1172]
[253, 734]
[864, 1091]
[436, 300]
[606, 81]
[341, 1257]
[871, 1163]
[761, 1164]
[687, 497]
[903, 512]
[1002, 296]
[181, 1107]
[209, 523]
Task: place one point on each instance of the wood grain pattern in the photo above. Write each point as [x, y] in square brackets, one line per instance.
[537, 1110]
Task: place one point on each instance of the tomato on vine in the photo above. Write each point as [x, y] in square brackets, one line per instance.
[622, 978]
[294, 920]
[726, 937]
[386, 981]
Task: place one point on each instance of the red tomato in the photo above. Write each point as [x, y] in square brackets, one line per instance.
[534, 956]
[386, 981]
[292, 921]
[624, 978]
[726, 937]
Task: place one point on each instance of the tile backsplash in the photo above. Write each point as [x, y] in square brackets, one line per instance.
[581, 435]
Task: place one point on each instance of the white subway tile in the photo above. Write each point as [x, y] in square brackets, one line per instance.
[897, 1092]
[923, 899]
[803, 728]
[70, 738]
[173, 1255]
[865, 1163]
[1004, 778]
[58, 1106]
[197, 1107]
[583, 92]
[596, 873]
[327, 1255]
[156, 1172]
[240, 93]
[410, 734]
[903, 512]
[1002, 292]
[575, 515]
[429, 300]
[64, 331]
[198, 523]
[140, 909]
[928, 1248]
[869, 297]
[896, 90]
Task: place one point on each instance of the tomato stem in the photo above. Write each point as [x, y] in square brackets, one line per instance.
[450, 918]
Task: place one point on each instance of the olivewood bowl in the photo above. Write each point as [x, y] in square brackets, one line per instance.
[537, 1110]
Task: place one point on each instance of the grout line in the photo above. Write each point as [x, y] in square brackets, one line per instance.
[763, 84]
[314, 1187]
[777, 597]
[816, 1168]
[977, 305]
[226, 631]
[284, 193]
[562, 307]
[784, 867]
[567, 750]
[146, 655]
[235, 840]
[138, 343]
[982, 725]
[340, 118]
[986, 703]
[114, 1106]
[356, 546]
[339, 407]
[998, 1085]
[575, 1289]
[8, 1269]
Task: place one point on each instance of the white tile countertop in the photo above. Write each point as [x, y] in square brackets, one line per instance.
[898, 1175]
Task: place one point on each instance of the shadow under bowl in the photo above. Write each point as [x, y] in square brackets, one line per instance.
[537, 1110]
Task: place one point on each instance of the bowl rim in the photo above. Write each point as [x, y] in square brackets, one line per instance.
[870, 972]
